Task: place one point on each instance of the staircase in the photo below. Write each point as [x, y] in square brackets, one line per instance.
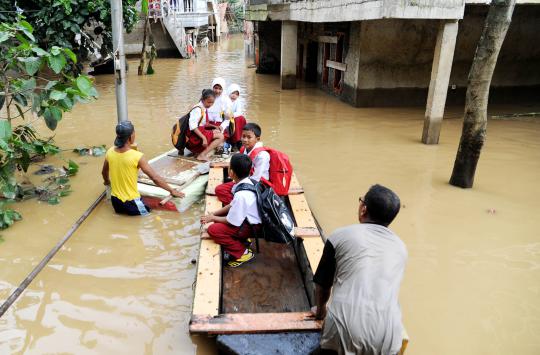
[171, 18]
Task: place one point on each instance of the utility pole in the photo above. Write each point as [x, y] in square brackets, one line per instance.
[119, 59]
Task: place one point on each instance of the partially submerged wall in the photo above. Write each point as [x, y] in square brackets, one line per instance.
[395, 58]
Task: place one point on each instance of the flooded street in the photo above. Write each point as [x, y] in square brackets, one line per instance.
[123, 285]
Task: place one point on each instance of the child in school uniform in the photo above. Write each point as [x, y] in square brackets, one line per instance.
[251, 140]
[203, 136]
[220, 111]
[231, 224]
[237, 109]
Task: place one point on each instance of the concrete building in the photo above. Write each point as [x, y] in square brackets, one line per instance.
[174, 24]
[394, 52]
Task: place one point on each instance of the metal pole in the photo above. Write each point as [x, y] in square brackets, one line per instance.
[119, 59]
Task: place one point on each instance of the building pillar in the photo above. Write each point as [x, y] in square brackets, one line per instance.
[289, 53]
[440, 77]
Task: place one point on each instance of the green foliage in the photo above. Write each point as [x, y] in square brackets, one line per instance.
[36, 83]
[8, 216]
[57, 22]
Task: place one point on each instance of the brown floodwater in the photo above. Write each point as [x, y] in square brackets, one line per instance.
[123, 285]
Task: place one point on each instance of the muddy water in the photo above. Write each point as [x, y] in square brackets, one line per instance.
[124, 285]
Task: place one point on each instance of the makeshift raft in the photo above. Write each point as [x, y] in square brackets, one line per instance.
[263, 306]
[179, 172]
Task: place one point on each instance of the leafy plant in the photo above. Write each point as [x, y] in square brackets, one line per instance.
[34, 83]
[61, 22]
[8, 216]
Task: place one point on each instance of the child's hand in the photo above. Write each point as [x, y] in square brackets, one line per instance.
[204, 142]
[207, 219]
[177, 193]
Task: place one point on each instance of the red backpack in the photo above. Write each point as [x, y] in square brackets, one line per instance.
[280, 171]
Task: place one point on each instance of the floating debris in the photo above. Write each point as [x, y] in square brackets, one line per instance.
[45, 170]
[94, 151]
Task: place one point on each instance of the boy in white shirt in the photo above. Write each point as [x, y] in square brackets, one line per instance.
[231, 225]
[252, 147]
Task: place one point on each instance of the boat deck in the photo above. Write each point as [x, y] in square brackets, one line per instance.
[270, 283]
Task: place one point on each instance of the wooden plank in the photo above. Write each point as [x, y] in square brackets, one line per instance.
[272, 282]
[302, 212]
[336, 65]
[207, 289]
[327, 39]
[212, 204]
[248, 323]
[314, 248]
[295, 188]
[298, 232]
[215, 178]
[220, 164]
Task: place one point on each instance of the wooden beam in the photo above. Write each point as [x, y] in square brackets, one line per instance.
[207, 289]
[314, 248]
[220, 164]
[212, 204]
[215, 178]
[298, 232]
[336, 65]
[302, 212]
[327, 39]
[249, 323]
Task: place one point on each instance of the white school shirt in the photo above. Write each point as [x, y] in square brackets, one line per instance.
[261, 163]
[195, 117]
[243, 205]
[237, 108]
[221, 104]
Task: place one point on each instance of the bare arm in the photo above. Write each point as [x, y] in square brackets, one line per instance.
[201, 136]
[105, 172]
[321, 298]
[217, 216]
[158, 180]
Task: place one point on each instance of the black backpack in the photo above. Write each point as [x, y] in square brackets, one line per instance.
[179, 132]
[277, 222]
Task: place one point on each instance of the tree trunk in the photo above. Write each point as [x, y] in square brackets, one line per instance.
[143, 63]
[483, 65]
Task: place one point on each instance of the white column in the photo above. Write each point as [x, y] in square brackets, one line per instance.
[440, 77]
[289, 50]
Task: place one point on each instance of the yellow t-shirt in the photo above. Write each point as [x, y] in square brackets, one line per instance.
[123, 172]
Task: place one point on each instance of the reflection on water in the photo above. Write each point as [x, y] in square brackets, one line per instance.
[124, 285]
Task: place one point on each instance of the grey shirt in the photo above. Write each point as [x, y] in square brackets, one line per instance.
[364, 316]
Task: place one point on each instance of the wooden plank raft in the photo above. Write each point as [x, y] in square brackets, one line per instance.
[218, 309]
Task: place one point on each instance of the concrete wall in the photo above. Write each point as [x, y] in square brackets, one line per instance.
[395, 58]
[164, 44]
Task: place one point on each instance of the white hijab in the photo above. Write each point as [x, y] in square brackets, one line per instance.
[221, 104]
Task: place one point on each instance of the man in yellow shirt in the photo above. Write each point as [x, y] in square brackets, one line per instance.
[121, 169]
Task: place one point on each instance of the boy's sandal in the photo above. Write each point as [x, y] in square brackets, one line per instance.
[242, 260]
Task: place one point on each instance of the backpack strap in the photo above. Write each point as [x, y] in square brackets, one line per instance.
[255, 151]
[202, 113]
[247, 187]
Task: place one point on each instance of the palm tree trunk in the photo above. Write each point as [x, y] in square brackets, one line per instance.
[475, 118]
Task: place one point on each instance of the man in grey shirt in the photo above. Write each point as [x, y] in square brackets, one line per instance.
[362, 266]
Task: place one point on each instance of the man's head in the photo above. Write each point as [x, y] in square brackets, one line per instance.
[125, 134]
[380, 205]
[240, 167]
[251, 134]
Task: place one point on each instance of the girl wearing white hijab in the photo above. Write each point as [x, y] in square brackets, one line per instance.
[237, 109]
[220, 112]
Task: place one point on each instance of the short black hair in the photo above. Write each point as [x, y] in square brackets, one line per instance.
[206, 93]
[382, 204]
[253, 127]
[241, 165]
